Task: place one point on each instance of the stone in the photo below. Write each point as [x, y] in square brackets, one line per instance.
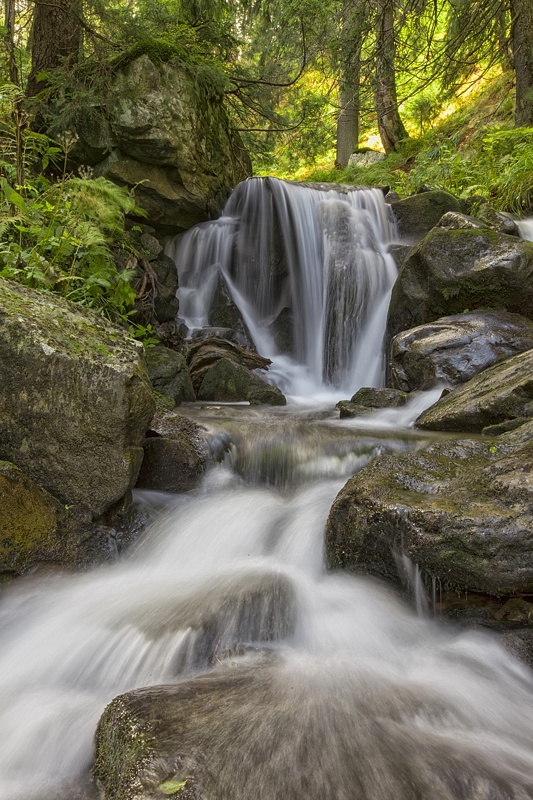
[500, 393]
[165, 304]
[169, 374]
[367, 400]
[227, 381]
[150, 246]
[453, 271]
[75, 398]
[418, 214]
[453, 349]
[29, 521]
[496, 220]
[160, 133]
[461, 510]
[169, 465]
[365, 159]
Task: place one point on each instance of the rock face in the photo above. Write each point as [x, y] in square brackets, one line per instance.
[453, 349]
[501, 393]
[453, 270]
[418, 214]
[461, 510]
[75, 399]
[165, 136]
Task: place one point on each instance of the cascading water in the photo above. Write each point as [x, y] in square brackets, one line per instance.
[345, 693]
[321, 256]
[525, 227]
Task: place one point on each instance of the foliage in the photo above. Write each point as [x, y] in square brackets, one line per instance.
[60, 239]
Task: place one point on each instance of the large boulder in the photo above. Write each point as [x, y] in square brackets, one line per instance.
[75, 398]
[451, 271]
[460, 510]
[501, 393]
[453, 349]
[302, 730]
[169, 139]
[418, 214]
[169, 374]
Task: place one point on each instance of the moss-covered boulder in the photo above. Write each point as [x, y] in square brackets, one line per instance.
[499, 394]
[75, 398]
[461, 510]
[168, 137]
[453, 271]
[453, 349]
[416, 215]
[29, 521]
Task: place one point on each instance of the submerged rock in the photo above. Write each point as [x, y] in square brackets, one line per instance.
[299, 730]
[453, 349]
[461, 510]
[453, 270]
[501, 393]
[75, 399]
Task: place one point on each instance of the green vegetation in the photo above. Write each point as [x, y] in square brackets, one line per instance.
[304, 82]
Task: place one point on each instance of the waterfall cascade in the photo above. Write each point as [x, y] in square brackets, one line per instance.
[315, 261]
[349, 695]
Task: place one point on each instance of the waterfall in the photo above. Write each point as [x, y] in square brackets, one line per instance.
[314, 262]
[525, 227]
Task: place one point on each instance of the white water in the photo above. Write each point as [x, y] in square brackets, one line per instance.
[525, 226]
[367, 700]
[238, 566]
[321, 254]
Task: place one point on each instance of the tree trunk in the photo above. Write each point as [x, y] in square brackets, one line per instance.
[350, 72]
[522, 41]
[390, 126]
[56, 39]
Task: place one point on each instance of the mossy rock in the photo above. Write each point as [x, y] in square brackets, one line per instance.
[227, 381]
[416, 215]
[461, 510]
[75, 398]
[451, 271]
[498, 395]
[29, 521]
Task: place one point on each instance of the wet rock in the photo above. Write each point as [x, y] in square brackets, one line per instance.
[451, 271]
[227, 381]
[496, 220]
[453, 349]
[367, 400]
[75, 398]
[169, 465]
[455, 221]
[461, 510]
[501, 393]
[150, 246]
[324, 732]
[169, 374]
[166, 305]
[416, 215]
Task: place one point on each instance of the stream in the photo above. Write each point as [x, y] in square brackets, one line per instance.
[370, 698]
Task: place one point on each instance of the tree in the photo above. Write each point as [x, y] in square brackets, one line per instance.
[390, 125]
[351, 42]
[56, 39]
[522, 43]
